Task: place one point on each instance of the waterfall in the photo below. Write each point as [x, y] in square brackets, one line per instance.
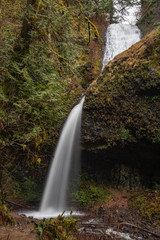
[64, 168]
[54, 197]
[122, 35]
[119, 37]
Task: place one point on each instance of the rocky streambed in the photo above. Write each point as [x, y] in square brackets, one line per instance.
[116, 220]
[112, 220]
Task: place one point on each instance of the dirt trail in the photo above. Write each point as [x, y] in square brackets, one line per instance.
[119, 199]
[23, 230]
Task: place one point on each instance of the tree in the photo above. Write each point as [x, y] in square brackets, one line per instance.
[39, 56]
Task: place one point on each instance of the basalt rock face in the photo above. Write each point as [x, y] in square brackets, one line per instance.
[122, 109]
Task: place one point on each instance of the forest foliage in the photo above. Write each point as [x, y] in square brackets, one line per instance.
[43, 47]
[43, 57]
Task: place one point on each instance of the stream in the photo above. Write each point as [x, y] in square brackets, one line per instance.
[115, 220]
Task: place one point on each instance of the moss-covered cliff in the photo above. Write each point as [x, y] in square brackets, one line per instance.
[123, 105]
[122, 108]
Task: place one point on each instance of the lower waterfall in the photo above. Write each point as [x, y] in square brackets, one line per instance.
[67, 151]
[66, 157]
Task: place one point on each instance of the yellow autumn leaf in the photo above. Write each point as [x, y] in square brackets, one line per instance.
[38, 160]
[24, 146]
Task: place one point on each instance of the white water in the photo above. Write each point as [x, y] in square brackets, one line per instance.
[121, 36]
[54, 200]
[112, 233]
[49, 214]
[54, 197]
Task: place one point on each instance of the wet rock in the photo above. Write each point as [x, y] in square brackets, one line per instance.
[101, 210]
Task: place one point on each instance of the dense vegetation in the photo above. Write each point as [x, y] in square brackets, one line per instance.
[44, 62]
[43, 49]
[48, 55]
[90, 192]
[150, 17]
[5, 218]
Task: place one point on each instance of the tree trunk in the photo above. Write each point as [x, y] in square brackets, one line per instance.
[23, 43]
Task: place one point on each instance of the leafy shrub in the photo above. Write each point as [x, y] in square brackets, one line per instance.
[59, 228]
[89, 192]
[147, 205]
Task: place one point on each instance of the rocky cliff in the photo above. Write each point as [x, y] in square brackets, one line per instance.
[122, 108]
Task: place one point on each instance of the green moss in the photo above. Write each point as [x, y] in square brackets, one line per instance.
[156, 138]
[124, 99]
[124, 134]
[102, 147]
[5, 217]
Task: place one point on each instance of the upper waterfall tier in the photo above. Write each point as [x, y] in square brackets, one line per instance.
[121, 36]
[127, 14]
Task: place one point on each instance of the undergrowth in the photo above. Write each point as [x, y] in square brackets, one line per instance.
[59, 228]
[5, 218]
[147, 205]
[89, 192]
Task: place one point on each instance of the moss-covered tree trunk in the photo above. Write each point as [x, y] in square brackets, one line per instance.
[24, 39]
[20, 50]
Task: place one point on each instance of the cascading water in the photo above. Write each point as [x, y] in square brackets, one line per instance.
[66, 156]
[122, 35]
[54, 197]
[119, 37]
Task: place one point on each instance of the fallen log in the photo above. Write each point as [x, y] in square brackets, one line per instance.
[143, 229]
[15, 204]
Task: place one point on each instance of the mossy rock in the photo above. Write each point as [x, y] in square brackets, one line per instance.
[122, 106]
